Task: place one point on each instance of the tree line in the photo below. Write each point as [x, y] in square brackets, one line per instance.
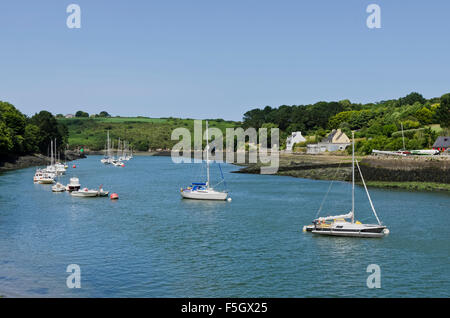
[376, 125]
[22, 135]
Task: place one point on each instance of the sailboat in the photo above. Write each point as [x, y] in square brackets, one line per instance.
[117, 162]
[107, 159]
[203, 190]
[338, 225]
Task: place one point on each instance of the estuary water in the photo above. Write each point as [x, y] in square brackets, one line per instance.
[151, 243]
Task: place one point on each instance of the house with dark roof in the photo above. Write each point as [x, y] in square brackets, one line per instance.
[442, 143]
[336, 140]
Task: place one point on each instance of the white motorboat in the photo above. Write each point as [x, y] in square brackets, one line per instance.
[118, 163]
[85, 192]
[203, 190]
[338, 225]
[102, 193]
[42, 174]
[46, 180]
[74, 184]
[58, 187]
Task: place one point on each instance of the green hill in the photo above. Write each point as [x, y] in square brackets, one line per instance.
[141, 132]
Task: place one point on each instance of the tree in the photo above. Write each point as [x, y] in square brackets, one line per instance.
[424, 115]
[443, 111]
[32, 138]
[50, 129]
[13, 124]
[6, 143]
[104, 114]
[81, 113]
[411, 98]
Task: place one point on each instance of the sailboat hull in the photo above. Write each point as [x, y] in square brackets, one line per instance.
[352, 230]
[204, 195]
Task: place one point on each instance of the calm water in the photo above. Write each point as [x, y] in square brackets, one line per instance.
[151, 243]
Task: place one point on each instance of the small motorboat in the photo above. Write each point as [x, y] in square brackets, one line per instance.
[85, 193]
[74, 184]
[58, 187]
[101, 192]
[44, 176]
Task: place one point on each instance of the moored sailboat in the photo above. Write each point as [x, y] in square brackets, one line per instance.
[203, 190]
[338, 225]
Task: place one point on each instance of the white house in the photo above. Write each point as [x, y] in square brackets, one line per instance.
[336, 140]
[296, 137]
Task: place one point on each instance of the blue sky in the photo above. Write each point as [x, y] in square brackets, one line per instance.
[218, 59]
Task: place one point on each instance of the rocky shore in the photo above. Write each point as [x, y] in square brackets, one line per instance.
[412, 173]
[13, 163]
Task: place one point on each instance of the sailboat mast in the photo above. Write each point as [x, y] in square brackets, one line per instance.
[353, 177]
[207, 154]
[51, 152]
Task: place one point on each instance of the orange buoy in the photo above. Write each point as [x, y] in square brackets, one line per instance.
[74, 166]
[114, 196]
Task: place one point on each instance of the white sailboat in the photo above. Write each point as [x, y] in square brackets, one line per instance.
[107, 159]
[338, 225]
[203, 190]
[55, 167]
[117, 162]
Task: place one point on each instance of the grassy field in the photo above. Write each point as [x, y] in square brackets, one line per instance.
[413, 186]
[116, 119]
[141, 132]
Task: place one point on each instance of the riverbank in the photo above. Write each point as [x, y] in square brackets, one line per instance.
[415, 173]
[14, 163]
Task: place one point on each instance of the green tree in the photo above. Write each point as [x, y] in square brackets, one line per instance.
[6, 143]
[81, 113]
[49, 130]
[443, 111]
[411, 98]
[424, 115]
[32, 138]
[104, 114]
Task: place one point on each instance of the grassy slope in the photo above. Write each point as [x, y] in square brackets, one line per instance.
[415, 186]
[141, 132]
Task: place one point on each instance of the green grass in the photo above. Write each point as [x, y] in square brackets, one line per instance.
[117, 119]
[415, 186]
[141, 132]
[436, 128]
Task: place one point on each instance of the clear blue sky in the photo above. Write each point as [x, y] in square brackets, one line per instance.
[211, 59]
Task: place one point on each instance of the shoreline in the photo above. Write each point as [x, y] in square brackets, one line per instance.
[414, 173]
[35, 160]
